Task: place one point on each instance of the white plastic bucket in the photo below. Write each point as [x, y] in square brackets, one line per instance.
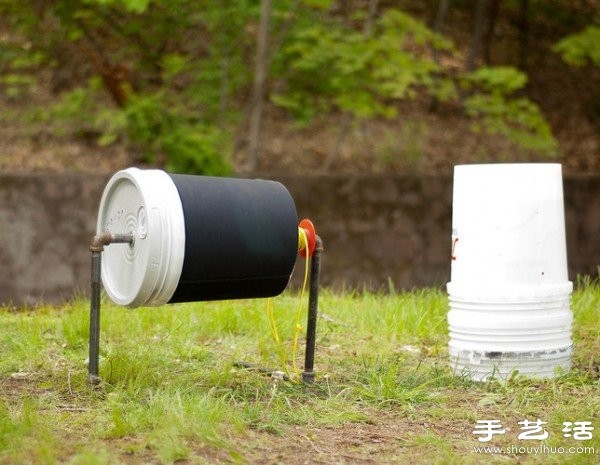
[509, 293]
[145, 203]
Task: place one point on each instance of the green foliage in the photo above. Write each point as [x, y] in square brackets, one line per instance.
[187, 69]
[177, 108]
[133, 6]
[147, 125]
[581, 48]
[498, 112]
[329, 67]
[199, 149]
[15, 85]
[17, 69]
[190, 146]
[320, 4]
[498, 80]
[81, 112]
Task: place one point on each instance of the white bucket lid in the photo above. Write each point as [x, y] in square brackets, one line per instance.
[147, 204]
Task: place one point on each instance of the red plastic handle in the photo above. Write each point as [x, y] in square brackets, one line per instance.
[311, 235]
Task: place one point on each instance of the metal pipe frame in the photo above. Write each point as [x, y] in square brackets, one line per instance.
[96, 248]
[308, 375]
[106, 238]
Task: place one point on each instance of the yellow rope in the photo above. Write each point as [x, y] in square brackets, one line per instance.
[297, 326]
[302, 244]
[271, 319]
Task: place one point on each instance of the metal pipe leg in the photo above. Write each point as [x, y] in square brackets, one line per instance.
[308, 375]
[96, 247]
[94, 354]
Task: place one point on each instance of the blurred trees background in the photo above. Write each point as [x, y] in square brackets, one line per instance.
[186, 84]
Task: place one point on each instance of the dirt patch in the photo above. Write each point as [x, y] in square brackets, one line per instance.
[19, 385]
[348, 443]
[388, 439]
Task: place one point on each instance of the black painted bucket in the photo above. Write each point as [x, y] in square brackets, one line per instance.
[196, 237]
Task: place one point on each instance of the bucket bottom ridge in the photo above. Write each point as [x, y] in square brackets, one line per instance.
[483, 365]
[495, 338]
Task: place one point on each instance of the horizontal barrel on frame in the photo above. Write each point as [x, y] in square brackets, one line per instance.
[196, 237]
[241, 238]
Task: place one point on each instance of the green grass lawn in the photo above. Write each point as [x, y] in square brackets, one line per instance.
[171, 392]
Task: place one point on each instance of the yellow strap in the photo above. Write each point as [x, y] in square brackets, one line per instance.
[302, 244]
[298, 327]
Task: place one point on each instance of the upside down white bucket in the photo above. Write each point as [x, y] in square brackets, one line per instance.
[509, 293]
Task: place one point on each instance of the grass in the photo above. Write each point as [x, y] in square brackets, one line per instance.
[171, 393]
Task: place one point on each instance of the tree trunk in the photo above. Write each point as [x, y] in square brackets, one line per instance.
[225, 58]
[371, 15]
[523, 34]
[258, 89]
[440, 19]
[476, 37]
[223, 89]
[489, 33]
[437, 28]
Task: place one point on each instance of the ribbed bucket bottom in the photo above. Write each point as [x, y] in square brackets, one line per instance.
[494, 338]
[481, 365]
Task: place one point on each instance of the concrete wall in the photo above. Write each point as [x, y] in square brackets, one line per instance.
[46, 223]
[376, 230]
[379, 230]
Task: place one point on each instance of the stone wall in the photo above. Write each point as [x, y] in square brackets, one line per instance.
[377, 230]
[46, 223]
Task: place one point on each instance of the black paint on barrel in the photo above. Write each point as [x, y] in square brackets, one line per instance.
[241, 238]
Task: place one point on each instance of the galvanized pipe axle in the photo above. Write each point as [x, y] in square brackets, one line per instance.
[106, 238]
[96, 247]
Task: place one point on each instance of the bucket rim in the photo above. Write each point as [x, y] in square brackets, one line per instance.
[507, 294]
